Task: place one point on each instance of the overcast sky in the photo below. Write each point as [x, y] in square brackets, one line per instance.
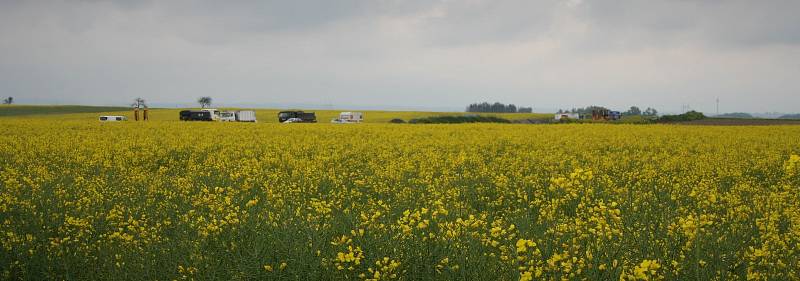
[391, 53]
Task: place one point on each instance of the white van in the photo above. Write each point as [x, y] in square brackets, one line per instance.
[349, 117]
[227, 116]
[112, 118]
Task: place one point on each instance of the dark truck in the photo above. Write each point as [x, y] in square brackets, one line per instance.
[297, 116]
[196, 115]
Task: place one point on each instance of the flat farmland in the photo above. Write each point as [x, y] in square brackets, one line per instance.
[170, 200]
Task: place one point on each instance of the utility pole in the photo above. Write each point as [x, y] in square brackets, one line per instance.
[717, 105]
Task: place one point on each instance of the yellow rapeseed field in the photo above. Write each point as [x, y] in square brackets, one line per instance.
[170, 200]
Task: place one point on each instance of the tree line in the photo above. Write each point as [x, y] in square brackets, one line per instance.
[633, 111]
[498, 108]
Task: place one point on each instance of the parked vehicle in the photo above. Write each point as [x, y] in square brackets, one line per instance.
[349, 117]
[227, 116]
[605, 114]
[112, 118]
[305, 117]
[214, 113]
[293, 120]
[567, 116]
[196, 115]
[246, 116]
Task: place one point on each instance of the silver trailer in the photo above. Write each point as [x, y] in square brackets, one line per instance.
[246, 116]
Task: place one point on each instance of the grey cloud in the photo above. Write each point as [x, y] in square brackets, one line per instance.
[479, 22]
[391, 52]
[736, 23]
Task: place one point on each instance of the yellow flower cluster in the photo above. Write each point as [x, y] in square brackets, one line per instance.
[385, 269]
[792, 166]
[529, 259]
[646, 270]
[350, 259]
[83, 200]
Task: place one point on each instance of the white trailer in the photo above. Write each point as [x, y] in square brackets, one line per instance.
[246, 116]
[349, 117]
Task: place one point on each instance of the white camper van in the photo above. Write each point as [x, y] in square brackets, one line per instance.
[227, 116]
[567, 116]
[349, 117]
[112, 118]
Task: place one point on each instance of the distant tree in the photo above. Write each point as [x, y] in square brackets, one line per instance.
[479, 107]
[790, 116]
[525, 110]
[496, 108]
[139, 103]
[589, 109]
[650, 112]
[204, 101]
[8, 100]
[511, 108]
[633, 111]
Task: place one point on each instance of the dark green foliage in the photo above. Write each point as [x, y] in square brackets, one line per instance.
[735, 115]
[650, 112]
[204, 101]
[525, 110]
[458, 119]
[633, 111]
[397, 121]
[688, 116]
[585, 111]
[497, 108]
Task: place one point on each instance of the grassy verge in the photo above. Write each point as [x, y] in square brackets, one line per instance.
[459, 119]
[21, 110]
